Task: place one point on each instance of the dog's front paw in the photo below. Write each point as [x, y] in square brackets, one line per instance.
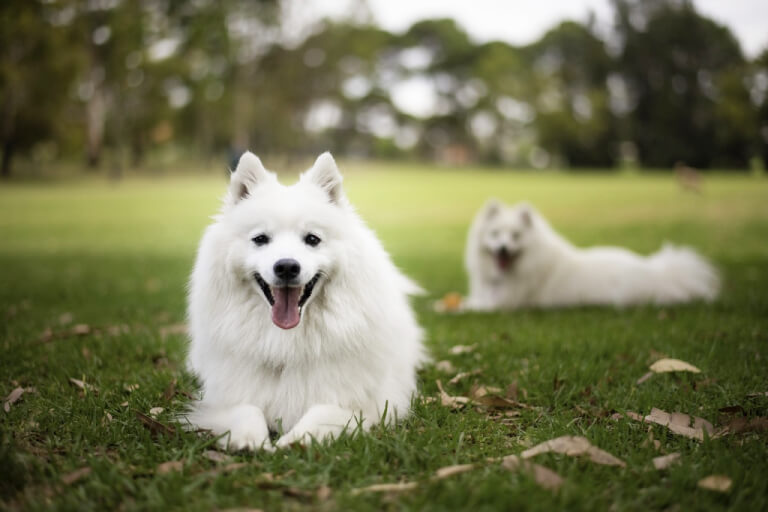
[293, 437]
[247, 437]
[320, 422]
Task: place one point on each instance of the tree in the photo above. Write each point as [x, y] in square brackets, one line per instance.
[678, 67]
[36, 70]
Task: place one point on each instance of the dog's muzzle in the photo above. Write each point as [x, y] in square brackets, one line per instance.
[287, 301]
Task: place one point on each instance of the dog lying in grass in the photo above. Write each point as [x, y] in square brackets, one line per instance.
[298, 318]
[515, 259]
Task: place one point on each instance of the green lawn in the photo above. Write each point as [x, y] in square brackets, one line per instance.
[116, 257]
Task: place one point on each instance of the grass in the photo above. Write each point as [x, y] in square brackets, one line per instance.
[116, 258]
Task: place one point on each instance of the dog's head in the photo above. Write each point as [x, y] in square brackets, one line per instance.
[505, 232]
[285, 241]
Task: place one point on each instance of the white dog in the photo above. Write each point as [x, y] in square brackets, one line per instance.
[298, 318]
[515, 259]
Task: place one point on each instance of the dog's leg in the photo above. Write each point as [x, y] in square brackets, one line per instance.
[320, 422]
[245, 424]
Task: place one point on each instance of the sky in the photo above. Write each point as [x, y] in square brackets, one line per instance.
[524, 21]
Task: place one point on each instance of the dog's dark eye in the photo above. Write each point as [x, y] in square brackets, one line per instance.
[311, 240]
[261, 239]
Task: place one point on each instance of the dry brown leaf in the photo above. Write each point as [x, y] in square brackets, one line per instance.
[679, 423]
[170, 391]
[741, 424]
[84, 385]
[447, 400]
[169, 330]
[81, 329]
[395, 487]
[107, 419]
[445, 366]
[673, 365]
[323, 493]
[167, 467]
[543, 476]
[718, 483]
[573, 446]
[12, 398]
[665, 461]
[462, 349]
[644, 378]
[154, 426]
[75, 475]
[130, 387]
[156, 411]
[450, 303]
[216, 456]
[762, 393]
[463, 375]
[65, 318]
[449, 471]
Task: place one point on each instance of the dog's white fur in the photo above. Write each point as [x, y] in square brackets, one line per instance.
[351, 360]
[544, 270]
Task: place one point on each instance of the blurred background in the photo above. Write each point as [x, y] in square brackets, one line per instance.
[115, 86]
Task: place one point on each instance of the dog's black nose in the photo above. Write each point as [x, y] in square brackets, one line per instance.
[287, 269]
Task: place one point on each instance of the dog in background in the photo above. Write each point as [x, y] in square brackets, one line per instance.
[515, 259]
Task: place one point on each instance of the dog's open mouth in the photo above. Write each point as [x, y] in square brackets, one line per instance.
[506, 258]
[287, 301]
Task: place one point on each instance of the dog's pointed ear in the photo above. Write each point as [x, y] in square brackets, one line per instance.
[325, 174]
[526, 214]
[248, 174]
[491, 208]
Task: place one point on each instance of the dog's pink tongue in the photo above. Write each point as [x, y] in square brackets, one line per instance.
[285, 310]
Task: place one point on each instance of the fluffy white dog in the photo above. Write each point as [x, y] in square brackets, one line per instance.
[298, 318]
[515, 259]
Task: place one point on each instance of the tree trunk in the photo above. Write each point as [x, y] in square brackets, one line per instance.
[5, 166]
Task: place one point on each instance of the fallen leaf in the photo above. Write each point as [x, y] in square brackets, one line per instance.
[673, 365]
[107, 419]
[154, 426]
[131, 387]
[543, 476]
[718, 483]
[170, 391]
[169, 330]
[665, 461]
[449, 471]
[323, 493]
[84, 385]
[65, 318]
[644, 378]
[216, 456]
[462, 349]
[512, 392]
[447, 400]
[167, 467]
[75, 475]
[762, 393]
[741, 424]
[156, 411]
[12, 398]
[81, 329]
[450, 303]
[445, 366]
[463, 375]
[679, 423]
[573, 446]
[395, 487]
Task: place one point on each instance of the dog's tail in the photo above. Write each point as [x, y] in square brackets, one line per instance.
[684, 275]
[410, 287]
